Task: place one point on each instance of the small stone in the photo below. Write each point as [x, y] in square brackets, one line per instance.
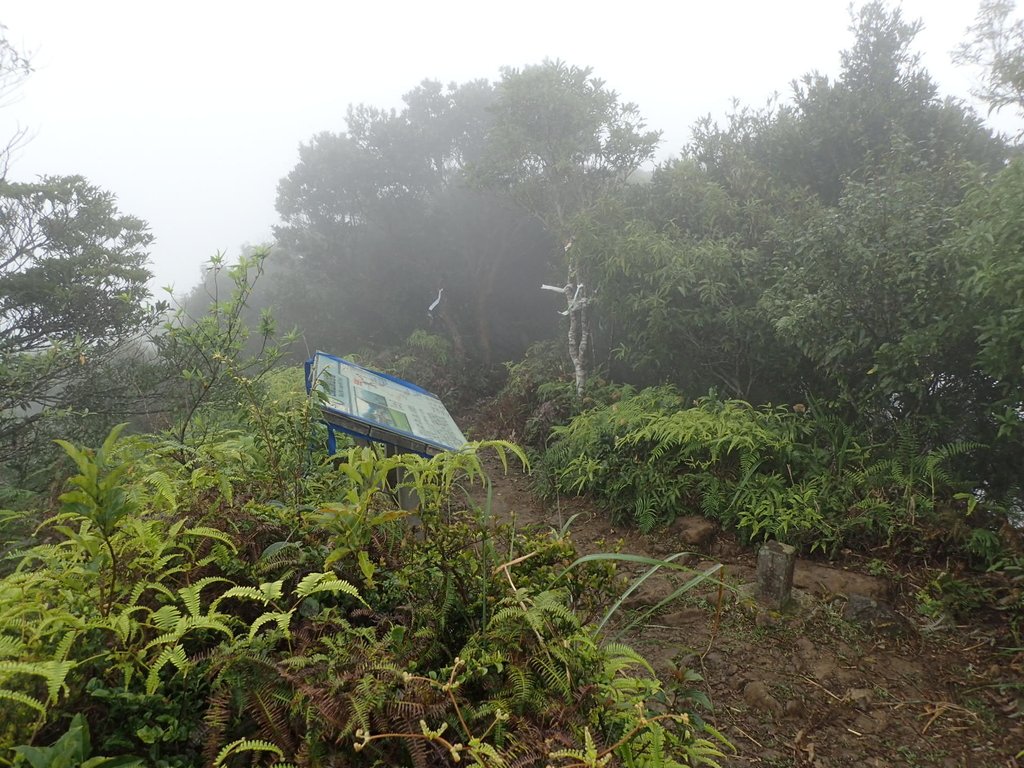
[859, 697]
[757, 696]
[684, 618]
[793, 708]
[830, 582]
[694, 531]
[871, 724]
[713, 659]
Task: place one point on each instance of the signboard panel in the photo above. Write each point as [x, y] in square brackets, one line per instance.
[376, 406]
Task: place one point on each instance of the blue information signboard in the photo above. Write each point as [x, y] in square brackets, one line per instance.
[375, 406]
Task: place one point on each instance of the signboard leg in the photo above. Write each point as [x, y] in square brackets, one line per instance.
[407, 497]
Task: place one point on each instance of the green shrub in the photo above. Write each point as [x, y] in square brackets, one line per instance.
[795, 474]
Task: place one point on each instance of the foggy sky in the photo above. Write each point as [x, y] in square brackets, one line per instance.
[191, 112]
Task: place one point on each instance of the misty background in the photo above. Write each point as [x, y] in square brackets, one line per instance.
[192, 112]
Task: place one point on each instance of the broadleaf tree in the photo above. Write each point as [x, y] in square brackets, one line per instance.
[378, 219]
[73, 286]
[996, 44]
[561, 140]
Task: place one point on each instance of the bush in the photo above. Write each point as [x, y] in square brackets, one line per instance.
[794, 474]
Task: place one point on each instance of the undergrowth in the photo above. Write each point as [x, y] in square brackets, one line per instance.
[791, 474]
[244, 599]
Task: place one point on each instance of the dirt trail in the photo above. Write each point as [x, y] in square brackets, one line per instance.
[807, 687]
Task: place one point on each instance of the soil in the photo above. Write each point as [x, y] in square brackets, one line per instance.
[848, 674]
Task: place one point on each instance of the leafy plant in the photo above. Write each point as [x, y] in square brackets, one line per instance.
[72, 750]
[211, 352]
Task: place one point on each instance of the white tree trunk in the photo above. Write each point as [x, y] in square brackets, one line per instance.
[579, 326]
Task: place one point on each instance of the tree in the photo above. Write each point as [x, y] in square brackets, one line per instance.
[835, 129]
[378, 219]
[73, 280]
[836, 206]
[680, 292]
[868, 292]
[991, 241]
[14, 68]
[560, 141]
[996, 44]
[208, 351]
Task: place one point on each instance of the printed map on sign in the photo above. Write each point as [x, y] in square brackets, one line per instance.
[393, 404]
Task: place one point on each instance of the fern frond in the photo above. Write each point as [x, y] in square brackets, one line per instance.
[174, 655]
[53, 673]
[313, 583]
[283, 619]
[619, 657]
[249, 593]
[247, 745]
[10, 647]
[272, 711]
[554, 676]
[6, 694]
[206, 532]
[190, 595]
[164, 487]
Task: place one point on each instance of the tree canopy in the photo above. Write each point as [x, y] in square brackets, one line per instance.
[73, 274]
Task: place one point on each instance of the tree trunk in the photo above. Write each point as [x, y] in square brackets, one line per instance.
[579, 326]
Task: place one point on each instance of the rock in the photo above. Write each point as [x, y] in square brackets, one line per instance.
[792, 709]
[874, 723]
[757, 696]
[694, 531]
[823, 580]
[870, 613]
[649, 593]
[684, 618]
[823, 670]
[859, 697]
[805, 647]
[714, 659]
[737, 682]
[727, 548]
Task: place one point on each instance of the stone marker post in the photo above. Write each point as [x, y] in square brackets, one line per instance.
[775, 564]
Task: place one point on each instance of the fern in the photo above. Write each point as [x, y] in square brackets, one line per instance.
[315, 583]
[53, 673]
[18, 697]
[247, 745]
[645, 514]
[10, 647]
[174, 655]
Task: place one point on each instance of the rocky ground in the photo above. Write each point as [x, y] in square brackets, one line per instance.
[848, 675]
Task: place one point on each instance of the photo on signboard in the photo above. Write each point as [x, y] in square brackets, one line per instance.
[374, 407]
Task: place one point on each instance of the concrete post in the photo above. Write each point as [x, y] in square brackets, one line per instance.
[775, 564]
